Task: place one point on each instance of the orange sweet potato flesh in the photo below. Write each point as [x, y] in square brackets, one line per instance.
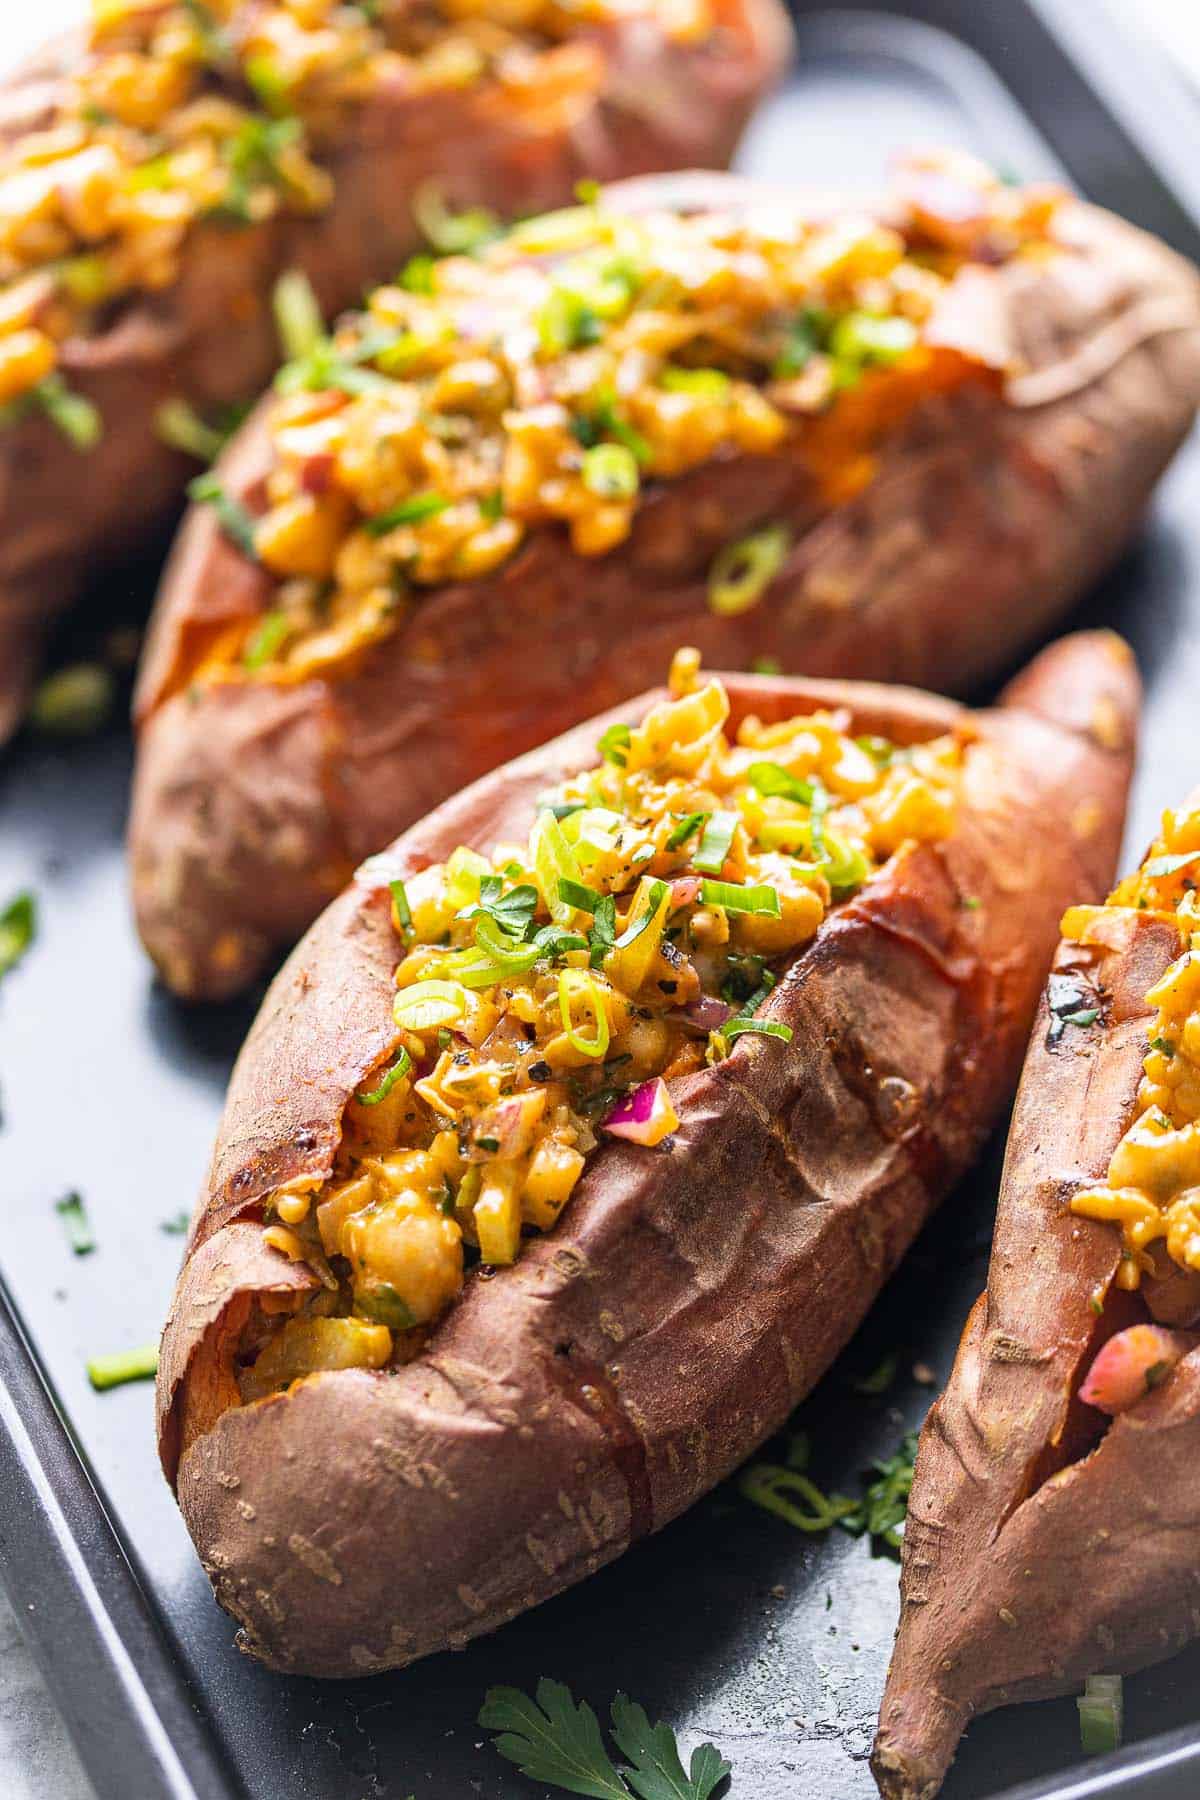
[1035, 1553]
[210, 337]
[685, 1301]
[991, 508]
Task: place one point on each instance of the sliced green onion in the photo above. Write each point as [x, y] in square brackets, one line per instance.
[76, 1224]
[713, 848]
[453, 234]
[654, 900]
[583, 899]
[711, 382]
[766, 665]
[126, 1365]
[268, 639]
[268, 81]
[400, 906]
[687, 828]
[181, 426]
[772, 779]
[77, 419]
[416, 277]
[742, 572]
[1101, 1714]
[235, 521]
[596, 1045]
[792, 1496]
[763, 1027]
[85, 278]
[610, 471]
[614, 743]
[409, 512]
[553, 861]
[844, 868]
[397, 1072]
[428, 1004]
[735, 899]
[509, 956]
[297, 316]
[562, 809]
[862, 337]
[18, 928]
[73, 701]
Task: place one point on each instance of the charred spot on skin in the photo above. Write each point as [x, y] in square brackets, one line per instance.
[1072, 1004]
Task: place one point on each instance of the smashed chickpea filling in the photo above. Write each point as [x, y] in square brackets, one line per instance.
[1152, 1188]
[223, 110]
[550, 995]
[547, 379]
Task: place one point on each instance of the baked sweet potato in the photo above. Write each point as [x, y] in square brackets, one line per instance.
[701, 1115]
[1053, 1527]
[891, 443]
[162, 167]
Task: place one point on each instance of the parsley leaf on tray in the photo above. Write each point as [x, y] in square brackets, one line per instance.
[558, 1741]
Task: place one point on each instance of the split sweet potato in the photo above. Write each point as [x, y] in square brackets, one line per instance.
[1053, 1526]
[616, 97]
[921, 524]
[689, 1295]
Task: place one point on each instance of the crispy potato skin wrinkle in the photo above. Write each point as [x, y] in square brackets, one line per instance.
[565, 1406]
[1024, 1570]
[211, 338]
[985, 517]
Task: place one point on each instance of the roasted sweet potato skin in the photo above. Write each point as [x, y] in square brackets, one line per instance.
[686, 1300]
[988, 513]
[210, 338]
[1032, 1559]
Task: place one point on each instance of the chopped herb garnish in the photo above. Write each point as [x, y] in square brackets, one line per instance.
[512, 910]
[774, 780]
[397, 1072]
[176, 1225]
[766, 665]
[18, 928]
[386, 1307]
[574, 893]
[603, 935]
[76, 1224]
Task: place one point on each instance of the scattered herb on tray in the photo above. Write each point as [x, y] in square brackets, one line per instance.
[124, 1365]
[787, 1491]
[18, 928]
[558, 1741]
[76, 1224]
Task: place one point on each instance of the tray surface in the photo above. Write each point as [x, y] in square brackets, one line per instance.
[729, 1624]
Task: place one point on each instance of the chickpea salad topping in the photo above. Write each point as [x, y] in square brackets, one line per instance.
[549, 378]
[1152, 1189]
[185, 111]
[550, 994]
